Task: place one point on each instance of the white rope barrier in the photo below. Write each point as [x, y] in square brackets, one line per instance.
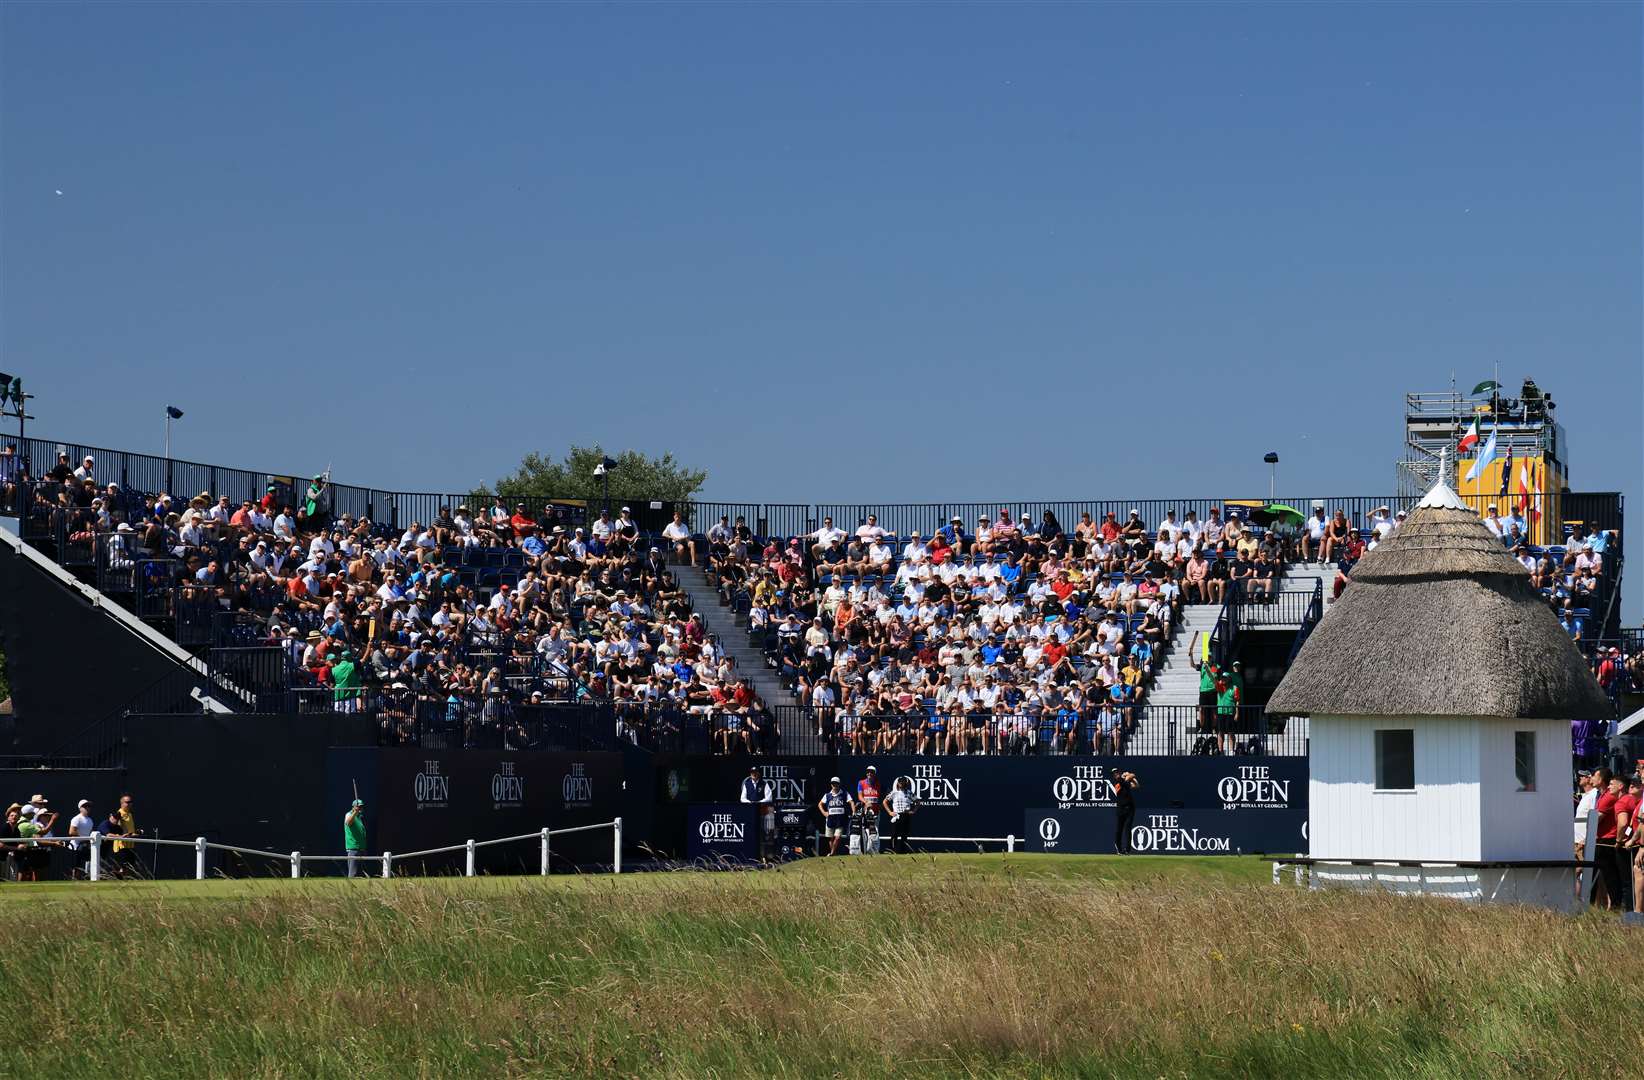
[201, 846]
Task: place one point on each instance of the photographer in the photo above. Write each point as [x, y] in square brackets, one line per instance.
[1124, 803]
[901, 806]
[836, 807]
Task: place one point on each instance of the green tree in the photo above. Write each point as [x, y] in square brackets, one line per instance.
[634, 476]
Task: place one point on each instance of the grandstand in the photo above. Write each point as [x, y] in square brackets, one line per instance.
[927, 628]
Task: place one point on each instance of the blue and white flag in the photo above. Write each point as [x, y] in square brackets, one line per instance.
[1485, 456]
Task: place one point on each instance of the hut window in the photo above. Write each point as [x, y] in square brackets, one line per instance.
[1396, 760]
[1524, 759]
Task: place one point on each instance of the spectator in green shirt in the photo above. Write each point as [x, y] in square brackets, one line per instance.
[354, 835]
[1229, 696]
[345, 676]
[1208, 676]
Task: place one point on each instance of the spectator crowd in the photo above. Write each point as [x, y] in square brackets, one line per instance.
[1002, 635]
[1014, 636]
[465, 628]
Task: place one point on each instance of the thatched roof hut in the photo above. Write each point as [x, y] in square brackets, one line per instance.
[1440, 621]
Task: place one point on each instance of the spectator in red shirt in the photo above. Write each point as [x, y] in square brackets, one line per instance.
[524, 524]
[1626, 834]
[1607, 887]
[1629, 853]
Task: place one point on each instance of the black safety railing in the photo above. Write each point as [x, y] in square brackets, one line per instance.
[182, 479]
[1144, 730]
[407, 718]
[1280, 608]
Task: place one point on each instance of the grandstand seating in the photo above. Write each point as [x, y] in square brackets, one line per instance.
[455, 629]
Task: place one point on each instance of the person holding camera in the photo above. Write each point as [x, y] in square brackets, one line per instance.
[899, 803]
[1124, 803]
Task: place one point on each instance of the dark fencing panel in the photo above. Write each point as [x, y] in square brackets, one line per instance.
[1235, 804]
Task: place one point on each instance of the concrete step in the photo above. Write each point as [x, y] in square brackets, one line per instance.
[724, 623]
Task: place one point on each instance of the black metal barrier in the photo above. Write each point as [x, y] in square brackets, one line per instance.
[1148, 730]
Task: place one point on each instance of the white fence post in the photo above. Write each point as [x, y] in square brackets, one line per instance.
[470, 868]
[296, 864]
[1010, 843]
[388, 864]
[616, 844]
[1277, 869]
[95, 867]
[545, 835]
[199, 858]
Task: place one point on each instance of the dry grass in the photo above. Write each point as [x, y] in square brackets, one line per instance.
[808, 975]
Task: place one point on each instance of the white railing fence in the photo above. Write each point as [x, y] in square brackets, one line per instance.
[296, 859]
[1009, 842]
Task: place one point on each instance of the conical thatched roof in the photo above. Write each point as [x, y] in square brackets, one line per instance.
[1441, 621]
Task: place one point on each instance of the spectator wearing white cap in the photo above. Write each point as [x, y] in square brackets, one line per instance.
[835, 806]
[82, 824]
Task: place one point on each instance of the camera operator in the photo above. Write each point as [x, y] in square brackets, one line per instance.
[901, 806]
[836, 807]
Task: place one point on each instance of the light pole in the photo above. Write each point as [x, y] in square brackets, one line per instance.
[1272, 459]
[172, 413]
[603, 471]
[11, 391]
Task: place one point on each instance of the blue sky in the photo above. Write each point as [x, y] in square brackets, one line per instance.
[823, 251]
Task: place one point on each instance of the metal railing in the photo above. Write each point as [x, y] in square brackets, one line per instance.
[137, 472]
[1286, 608]
[1141, 730]
[412, 718]
[296, 860]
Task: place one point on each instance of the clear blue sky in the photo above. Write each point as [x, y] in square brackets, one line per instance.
[824, 251]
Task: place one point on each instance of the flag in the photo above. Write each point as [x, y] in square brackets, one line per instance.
[1538, 478]
[173, 412]
[1469, 440]
[1485, 456]
[1524, 487]
[1507, 473]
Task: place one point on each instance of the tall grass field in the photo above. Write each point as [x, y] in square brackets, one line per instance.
[971, 966]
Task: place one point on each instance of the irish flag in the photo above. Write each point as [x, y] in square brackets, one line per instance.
[1469, 440]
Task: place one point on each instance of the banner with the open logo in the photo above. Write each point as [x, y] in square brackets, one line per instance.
[722, 831]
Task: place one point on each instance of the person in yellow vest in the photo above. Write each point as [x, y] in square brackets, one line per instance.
[122, 821]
